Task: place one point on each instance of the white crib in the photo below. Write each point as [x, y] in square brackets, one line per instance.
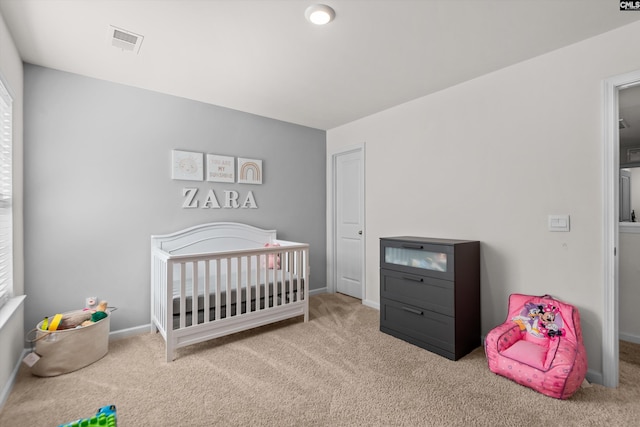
[243, 278]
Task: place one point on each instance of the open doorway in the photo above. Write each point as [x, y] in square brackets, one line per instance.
[629, 227]
[611, 216]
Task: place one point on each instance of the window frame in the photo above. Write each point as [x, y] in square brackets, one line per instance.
[6, 194]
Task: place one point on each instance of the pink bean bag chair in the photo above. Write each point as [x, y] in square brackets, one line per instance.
[539, 346]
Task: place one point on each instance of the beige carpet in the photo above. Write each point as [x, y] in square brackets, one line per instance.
[336, 370]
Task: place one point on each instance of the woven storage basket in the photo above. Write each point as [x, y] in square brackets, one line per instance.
[70, 349]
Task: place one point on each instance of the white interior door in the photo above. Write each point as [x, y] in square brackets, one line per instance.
[349, 220]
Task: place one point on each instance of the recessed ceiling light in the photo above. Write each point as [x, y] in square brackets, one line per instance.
[319, 14]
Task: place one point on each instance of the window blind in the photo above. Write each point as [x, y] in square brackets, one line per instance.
[6, 205]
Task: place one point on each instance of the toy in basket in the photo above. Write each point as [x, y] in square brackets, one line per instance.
[105, 416]
[74, 319]
[70, 341]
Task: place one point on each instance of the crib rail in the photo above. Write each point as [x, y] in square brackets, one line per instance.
[202, 296]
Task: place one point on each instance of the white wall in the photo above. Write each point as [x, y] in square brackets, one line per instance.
[490, 159]
[12, 332]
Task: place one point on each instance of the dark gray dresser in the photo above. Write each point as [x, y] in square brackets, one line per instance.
[430, 293]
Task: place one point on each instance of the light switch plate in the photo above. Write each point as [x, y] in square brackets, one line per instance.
[558, 223]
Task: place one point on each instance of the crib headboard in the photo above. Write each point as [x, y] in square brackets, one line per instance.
[213, 237]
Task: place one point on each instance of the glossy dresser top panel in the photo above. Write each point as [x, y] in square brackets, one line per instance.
[434, 240]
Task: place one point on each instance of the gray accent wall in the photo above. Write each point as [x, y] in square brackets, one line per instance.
[98, 184]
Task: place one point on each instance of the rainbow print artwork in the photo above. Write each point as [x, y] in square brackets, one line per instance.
[249, 171]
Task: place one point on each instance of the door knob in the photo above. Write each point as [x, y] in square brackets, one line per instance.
[360, 232]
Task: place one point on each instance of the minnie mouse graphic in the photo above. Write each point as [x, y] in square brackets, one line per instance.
[540, 320]
[550, 324]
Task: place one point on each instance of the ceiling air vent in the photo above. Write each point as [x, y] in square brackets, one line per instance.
[125, 40]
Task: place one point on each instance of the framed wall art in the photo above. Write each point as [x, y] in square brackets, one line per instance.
[249, 171]
[220, 168]
[187, 165]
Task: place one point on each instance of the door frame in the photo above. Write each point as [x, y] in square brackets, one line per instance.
[611, 200]
[332, 226]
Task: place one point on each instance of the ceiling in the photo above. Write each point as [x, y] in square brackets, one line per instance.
[264, 58]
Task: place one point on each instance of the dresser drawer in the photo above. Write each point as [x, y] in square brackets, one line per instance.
[415, 323]
[422, 291]
[418, 257]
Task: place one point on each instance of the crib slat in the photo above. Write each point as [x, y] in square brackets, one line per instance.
[267, 289]
[294, 276]
[217, 285]
[278, 277]
[249, 285]
[258, 283]
[238, 286]
[286, 278]
[228, 306]
[277, 300]
[289, 274]
[183, 291]
[194, 293]
[274, 282]
[206, 293]
[280, 272]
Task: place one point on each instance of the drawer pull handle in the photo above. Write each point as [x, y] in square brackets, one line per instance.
[412, 246]
[412, 278]
[413, 310]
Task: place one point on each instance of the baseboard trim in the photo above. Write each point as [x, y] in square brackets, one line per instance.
[629, 337]
[371, 304]
[594, 377]
[12, 379]
[313, 292]
[129, 332]
[325, 290]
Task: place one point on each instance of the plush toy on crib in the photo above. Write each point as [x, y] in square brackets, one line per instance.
[273, 260]
[75, 319]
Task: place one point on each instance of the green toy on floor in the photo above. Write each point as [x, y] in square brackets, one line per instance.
[105, 416]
